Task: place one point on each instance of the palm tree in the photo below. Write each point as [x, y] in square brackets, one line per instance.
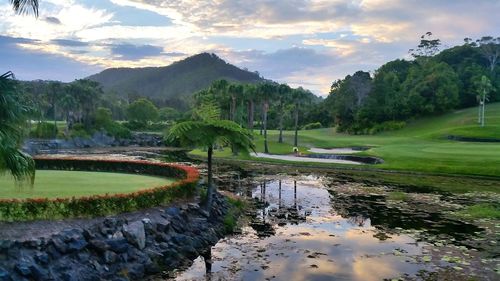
[208, 131]
[23, 6]
[249, 93]
[13, 114]
[284, 92]
[267, 92]
[299, 96]
[12, 120]
[484, 87]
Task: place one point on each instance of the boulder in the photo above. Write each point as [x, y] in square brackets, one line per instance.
[135, 234]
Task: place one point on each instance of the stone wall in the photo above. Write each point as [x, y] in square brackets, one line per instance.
[119, 247]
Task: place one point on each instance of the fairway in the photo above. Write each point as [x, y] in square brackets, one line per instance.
[52, 184]
[421, 146]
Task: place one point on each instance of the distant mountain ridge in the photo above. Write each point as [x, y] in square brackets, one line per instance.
[177, 80]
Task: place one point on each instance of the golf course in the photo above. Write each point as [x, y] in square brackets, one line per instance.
[421, 146]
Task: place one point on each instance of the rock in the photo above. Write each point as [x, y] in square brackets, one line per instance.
[39, 273]
[77, 245]
[110, 257]
[23, 268]
[173, 211]
[42, 258]
[99, 245]
[60, 245]
[135, 234]
[118, 245]
[135, 271]
[163, 226]
[4, 275]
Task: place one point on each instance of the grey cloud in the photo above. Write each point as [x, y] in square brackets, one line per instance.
[282, 63]
[52, 20]
[69, 43]
[174, 54]
[129, 51]
[7, 40]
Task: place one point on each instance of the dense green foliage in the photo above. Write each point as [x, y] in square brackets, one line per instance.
[142, 111]
[400, 90]
[13, 113]
[44, 130]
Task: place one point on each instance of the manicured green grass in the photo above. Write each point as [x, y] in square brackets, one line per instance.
[421, 146]
[481, 211]
[51, 184]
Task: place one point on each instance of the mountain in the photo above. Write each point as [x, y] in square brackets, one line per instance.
[177, 80]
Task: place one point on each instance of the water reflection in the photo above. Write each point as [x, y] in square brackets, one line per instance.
[301, 231]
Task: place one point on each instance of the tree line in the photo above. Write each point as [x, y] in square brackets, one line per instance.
[264, 106]
[434, 82]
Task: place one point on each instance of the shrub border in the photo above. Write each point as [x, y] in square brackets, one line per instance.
[102, 204]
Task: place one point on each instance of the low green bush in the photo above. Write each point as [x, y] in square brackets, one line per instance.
[387, 126]
[117, 130]
[310, 126]
[78, 131]
[44, 130]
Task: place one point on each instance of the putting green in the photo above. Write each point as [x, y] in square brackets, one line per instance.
[52, 184]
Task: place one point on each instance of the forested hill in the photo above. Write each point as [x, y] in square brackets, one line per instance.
[179, 79]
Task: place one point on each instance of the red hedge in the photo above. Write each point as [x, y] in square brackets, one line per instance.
[99, 205]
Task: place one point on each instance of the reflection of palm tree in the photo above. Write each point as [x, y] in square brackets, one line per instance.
[279, 195]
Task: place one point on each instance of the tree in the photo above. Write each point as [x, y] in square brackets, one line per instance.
[428, 46]
[267, 92]
[431, 89]
[87, 94]
[483, 89]
[299, 96]
[490, 49]
[249, 92]
[53, 93]
[142, 111]
[207, 132]
[12, 119]
[284, 93]
[168, 114]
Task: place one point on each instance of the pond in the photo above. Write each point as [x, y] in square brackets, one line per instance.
[315, 228]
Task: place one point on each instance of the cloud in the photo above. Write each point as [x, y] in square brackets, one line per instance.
[130, 52]
[69, 43]
[32, 64]
[301, 42]
[52, 20]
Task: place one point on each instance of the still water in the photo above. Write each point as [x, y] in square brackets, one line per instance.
[302, 229]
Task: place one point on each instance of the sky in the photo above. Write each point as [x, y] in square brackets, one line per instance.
[308, 43]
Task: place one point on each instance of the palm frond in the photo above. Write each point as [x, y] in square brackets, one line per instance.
[24, 6]
[12, 120]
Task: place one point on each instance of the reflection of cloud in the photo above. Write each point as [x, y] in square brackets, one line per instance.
[373, 269]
